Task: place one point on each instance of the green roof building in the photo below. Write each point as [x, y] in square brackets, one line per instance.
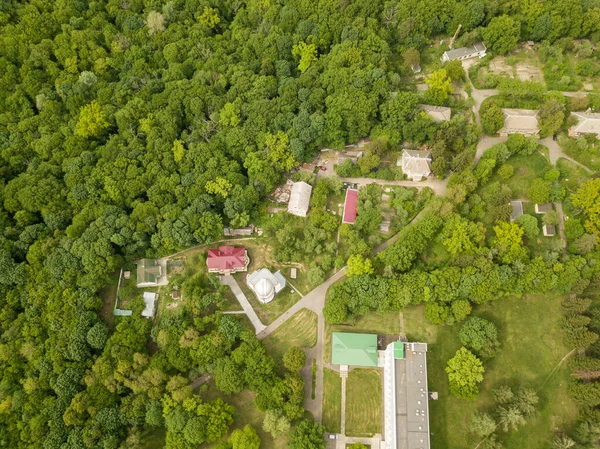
[148, 272]
[353, 349]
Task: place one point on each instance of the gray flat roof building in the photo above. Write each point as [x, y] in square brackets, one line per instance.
[517, 210]
[476, 50]
[406, 399]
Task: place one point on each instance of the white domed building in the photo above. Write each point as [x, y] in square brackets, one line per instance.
[265, 284]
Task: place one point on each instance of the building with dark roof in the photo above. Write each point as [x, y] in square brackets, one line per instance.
[406, 398]
[543, 208]
[350, 206]
[227, 260]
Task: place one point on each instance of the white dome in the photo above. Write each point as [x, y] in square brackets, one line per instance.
[265, 291]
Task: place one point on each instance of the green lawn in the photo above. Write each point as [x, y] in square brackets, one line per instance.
[364, 402]
[387, 324]
[332, 400]
[300, 330]
[527, 169]
[531, 348]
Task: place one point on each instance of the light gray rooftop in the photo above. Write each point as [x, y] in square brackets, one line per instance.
[588, 122]
[465, 51]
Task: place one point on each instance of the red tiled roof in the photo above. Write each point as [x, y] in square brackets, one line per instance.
[350, 206]
[226, 258]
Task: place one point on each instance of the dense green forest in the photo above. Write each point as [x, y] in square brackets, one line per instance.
[140, 127]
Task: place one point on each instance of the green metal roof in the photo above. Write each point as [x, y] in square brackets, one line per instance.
[353, 349]
[398, 350]
[148, 271]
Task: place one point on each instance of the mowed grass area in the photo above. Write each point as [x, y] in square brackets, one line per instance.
[245, 413]
[531, 348]
[387, 324]
[332, 400]
[364, 402]
[300, 330]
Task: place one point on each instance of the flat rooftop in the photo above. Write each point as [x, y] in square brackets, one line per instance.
[411, 398]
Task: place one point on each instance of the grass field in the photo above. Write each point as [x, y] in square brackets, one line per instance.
[332, 397]
[374, 323]
[300, 330]
[589, 157]
[363, 402]
[531, 348]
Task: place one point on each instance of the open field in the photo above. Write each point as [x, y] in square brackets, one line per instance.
[531, 348]
[364, 402]
[387, 324]
[300, 330]
[332, 400]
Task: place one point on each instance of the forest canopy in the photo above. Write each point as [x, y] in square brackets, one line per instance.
[133, 128]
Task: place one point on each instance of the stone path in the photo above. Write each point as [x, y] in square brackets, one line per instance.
[239, 294]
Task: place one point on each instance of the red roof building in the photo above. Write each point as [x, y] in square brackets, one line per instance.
[350, 206]
[227, 260]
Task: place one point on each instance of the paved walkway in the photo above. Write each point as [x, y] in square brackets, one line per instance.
[344, 376]
[239, 294]
[437, 185]
[555, 152]
[485, 143]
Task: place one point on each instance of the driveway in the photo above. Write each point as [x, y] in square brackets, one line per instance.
[555, 152]
[239, 294]
[485, 143]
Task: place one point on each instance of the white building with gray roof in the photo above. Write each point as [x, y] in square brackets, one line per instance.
[520, 121]
[299, 199]
[476, 50]
[437, 113]
[587, 123]
[415, 163]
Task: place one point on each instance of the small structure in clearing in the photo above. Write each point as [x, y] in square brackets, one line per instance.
[293, 273]
[520, 121]
[517, 210]
[477, 50]
[350, 206]
[543, 208]
[149, 272]
[352, 349]
[415, 163]
[265, 284]
[299, 199]
[587, 123]
[150, 304]
[437, 113]
[549, 230]
[227, 260]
